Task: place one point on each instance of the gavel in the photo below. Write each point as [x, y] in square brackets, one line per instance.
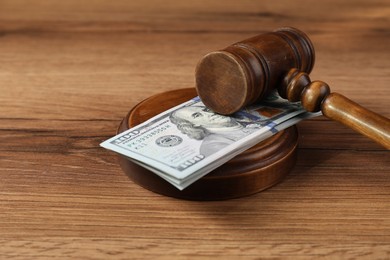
[247, 71]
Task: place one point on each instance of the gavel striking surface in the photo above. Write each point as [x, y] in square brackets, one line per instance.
[258, 168]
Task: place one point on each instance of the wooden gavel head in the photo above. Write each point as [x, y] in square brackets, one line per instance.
[247, 71]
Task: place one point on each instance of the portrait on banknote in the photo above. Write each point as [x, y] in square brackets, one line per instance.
[216, 131]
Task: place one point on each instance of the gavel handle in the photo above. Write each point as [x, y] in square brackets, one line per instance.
[341, 109]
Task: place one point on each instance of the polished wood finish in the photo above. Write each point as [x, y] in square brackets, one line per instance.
[256, 169]
[71, 70]
[341, 109]
[246, 72]
[316, 96]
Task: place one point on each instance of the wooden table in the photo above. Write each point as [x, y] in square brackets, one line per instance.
[70, 71]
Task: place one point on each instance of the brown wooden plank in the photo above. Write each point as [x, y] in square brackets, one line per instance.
[71, 70]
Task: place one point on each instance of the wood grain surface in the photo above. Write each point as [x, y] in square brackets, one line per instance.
[71, 70]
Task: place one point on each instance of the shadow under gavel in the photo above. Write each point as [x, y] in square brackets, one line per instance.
[248, 71]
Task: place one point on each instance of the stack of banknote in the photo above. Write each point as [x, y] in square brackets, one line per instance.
[188, 141]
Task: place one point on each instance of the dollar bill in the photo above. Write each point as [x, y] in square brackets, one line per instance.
[188, 141]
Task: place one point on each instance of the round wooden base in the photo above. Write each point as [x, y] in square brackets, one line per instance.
[258, 168]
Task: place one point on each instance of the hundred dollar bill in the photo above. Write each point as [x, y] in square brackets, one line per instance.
[188, 141]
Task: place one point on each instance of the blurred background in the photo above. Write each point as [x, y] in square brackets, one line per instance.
[154, 45]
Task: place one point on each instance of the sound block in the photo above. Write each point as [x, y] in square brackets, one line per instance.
[254, 170]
